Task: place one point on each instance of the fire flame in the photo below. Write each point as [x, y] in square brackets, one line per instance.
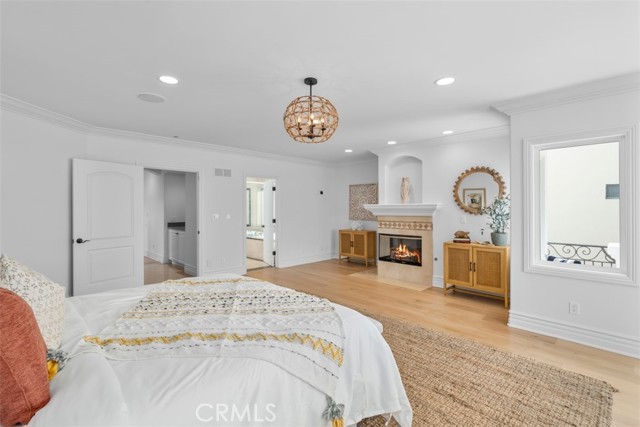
[403, 251]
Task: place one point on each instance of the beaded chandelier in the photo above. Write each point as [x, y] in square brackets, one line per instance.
[310, 119]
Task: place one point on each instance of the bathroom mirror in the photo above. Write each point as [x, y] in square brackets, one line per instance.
[477, 187]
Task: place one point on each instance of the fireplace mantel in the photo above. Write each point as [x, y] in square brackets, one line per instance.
[408, 209]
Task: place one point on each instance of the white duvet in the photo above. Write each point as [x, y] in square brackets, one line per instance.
[94, 391]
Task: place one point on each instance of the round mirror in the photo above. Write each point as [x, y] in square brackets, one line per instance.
[478, 187]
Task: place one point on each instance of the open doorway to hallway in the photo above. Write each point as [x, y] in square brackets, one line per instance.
[260, 214]
[170, 225]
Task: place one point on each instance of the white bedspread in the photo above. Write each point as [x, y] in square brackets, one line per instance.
[94, 391]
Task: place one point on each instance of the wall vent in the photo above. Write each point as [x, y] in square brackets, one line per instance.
[223, 172]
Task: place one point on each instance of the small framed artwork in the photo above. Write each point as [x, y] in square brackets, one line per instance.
[474, 197]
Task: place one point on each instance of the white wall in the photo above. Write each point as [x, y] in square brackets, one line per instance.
[397, 169]
[36, 193]
[338, 194]
[175, 196]
[155, 226]
[610, 313]
[575, 189]
[443, 160]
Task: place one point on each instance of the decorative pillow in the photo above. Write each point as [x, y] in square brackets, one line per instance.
[45, 297]
[23, 362]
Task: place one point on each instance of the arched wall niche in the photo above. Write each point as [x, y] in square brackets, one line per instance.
[397, 168]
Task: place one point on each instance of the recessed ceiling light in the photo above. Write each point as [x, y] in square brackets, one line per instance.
[151, 97]
[348, 150]
[447, 132]
[391, 142]
[445, 81]
[170, 80]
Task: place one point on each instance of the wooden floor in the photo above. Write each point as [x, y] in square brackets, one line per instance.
[474, 317]
[156, 272]
[253, 264]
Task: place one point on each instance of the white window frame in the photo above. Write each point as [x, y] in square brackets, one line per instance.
[629, 200]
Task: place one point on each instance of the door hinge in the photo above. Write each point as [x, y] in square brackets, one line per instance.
[274, 220]
[274, 253]
[273, 188]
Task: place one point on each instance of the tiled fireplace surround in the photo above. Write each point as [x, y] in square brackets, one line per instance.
[407, 220]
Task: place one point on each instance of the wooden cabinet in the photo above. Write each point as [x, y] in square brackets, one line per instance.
[358, 244]
[483, 269]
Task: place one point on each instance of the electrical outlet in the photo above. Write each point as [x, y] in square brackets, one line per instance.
[574, 308]
[463, 219]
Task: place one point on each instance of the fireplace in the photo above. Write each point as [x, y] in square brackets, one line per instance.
[400, 249]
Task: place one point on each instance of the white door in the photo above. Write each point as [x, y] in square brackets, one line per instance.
[108, 228]
[269, 242]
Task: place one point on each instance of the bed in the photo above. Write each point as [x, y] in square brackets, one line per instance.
[96, 388]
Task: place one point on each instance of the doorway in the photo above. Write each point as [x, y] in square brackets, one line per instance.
[170, 225]
[260, 220]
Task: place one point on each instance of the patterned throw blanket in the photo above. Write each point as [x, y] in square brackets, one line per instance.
[232, 317]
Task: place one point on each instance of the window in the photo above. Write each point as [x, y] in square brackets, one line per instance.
[579, 207]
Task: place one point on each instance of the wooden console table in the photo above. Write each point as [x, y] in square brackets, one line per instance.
[476, 268]
[358, 244]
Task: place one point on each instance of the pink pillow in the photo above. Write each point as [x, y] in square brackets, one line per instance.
[24, 386]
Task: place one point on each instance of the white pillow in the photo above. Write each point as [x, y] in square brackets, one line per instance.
[45, 297]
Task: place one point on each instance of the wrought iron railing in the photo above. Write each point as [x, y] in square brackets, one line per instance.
[584, 254]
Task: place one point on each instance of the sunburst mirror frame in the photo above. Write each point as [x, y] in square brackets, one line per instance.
[502, 188]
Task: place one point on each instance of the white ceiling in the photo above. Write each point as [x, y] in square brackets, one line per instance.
[240, 63]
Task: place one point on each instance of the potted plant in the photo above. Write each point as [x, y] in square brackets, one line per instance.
[499, 213]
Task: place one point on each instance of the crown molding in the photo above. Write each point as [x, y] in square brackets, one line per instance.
[9, 103]
[582, 92]
[15, 105]
[200, 145]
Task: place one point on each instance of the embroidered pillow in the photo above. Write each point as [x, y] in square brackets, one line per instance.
[45, 297]
[23, 362]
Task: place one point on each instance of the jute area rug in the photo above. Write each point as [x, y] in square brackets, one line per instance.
[453, 381]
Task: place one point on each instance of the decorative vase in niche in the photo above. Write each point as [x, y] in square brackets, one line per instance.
[404, 189]
[499, 239]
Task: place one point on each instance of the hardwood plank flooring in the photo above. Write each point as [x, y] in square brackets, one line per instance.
[477, 318]
[156, 272]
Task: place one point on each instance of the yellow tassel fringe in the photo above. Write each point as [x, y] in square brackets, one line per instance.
[338, 422]
[52, 369]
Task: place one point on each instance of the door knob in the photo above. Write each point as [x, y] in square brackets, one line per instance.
[79, 240]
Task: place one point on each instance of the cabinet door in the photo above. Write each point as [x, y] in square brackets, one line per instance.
[489, 269]
[173, 245]
[345, 243]
[359, 244]
[457, 265]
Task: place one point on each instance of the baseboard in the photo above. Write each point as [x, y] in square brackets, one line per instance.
[303, 260]
[626, 345]
[437, 281]
[156, 257]
[190, 269]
